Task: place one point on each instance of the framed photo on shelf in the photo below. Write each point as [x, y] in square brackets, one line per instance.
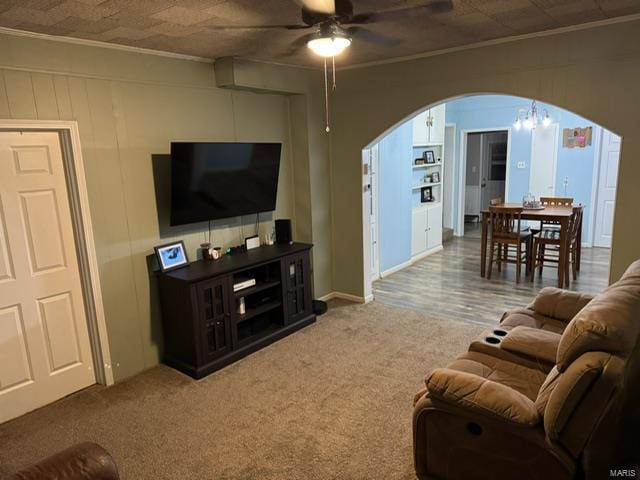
[435, 177]
[429, 156]
[171, 256]
[418, 161]
[426, 195]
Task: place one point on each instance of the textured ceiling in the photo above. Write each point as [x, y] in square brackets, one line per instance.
[188, 26]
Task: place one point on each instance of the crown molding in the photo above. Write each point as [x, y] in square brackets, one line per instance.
[99, 44]
[277, 64]
[498, 41]
[193, 58]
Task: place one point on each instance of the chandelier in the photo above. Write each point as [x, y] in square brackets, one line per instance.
[532, 117]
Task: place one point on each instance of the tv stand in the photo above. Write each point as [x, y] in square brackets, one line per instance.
[203, 329]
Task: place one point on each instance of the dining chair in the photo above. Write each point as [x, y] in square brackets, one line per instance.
[553, 202]
[547, 242]
[506, 230]
[556, 201]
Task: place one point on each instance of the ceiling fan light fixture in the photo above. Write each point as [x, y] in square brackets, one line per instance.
[330, 46]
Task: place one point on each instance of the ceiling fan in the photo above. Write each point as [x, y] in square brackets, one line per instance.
[335, 24]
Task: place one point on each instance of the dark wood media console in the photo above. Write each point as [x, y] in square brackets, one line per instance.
[203, 330]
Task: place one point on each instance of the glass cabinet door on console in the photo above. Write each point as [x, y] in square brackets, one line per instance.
[215, 317]
[298, 289]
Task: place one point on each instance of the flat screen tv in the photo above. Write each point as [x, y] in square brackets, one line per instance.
[211, 181]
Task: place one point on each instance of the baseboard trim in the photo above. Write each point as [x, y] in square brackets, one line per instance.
[425, 254]
[411, 261]
[346, 296]
[395, 269]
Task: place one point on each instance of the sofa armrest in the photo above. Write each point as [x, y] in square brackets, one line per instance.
[560, 304]
[483, 396]
[532, 342]
[86, 461]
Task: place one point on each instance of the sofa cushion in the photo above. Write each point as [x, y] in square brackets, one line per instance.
[481, 395]
[518, 377]
[559, 304]
[528, 318]
[532, 342]
[566, 390]
[609, 323]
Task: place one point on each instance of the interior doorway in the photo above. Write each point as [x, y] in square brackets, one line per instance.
[485, 161]
[52, 327]
[479, 153]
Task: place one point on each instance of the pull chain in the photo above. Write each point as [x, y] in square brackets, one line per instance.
[333, 70]
[326, 96]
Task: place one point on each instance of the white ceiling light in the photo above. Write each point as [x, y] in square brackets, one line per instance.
[331, 46]
[530, 118]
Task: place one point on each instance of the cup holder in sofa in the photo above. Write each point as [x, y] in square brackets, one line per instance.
[500, 333]
[492, 340]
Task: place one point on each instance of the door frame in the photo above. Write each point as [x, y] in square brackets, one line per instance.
[452, 182]
[462, 161]
[366, 224]
[374, 165]
[83, 234]
[595, 181]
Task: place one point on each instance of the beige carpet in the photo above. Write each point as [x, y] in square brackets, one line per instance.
[333, 401]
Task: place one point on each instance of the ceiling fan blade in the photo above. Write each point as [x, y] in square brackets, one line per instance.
[373, 37]
[360, 18]
[257, 27]
[343, 9]
[431, 7]
[318, 6]
[297, 44]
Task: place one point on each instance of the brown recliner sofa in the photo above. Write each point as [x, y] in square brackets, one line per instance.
[552, 393]
[85, 461]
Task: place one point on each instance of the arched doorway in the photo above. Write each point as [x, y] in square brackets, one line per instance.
[519, 161]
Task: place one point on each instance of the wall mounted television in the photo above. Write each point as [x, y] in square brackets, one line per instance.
[210, 181]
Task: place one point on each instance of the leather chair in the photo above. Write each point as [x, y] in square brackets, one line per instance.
[504, 413]
[85, 461]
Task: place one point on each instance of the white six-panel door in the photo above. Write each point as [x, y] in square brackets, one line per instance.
[606, 196]
[45, 351]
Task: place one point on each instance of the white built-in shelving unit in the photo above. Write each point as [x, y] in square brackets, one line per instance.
[428, 136]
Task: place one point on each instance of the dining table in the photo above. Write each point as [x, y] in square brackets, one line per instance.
[556, 214]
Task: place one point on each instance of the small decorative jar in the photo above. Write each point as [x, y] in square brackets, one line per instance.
[207, 251]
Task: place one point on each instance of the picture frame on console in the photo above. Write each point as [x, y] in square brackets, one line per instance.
[171, 256]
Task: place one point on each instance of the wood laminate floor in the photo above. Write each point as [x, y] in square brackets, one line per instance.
[448, 284]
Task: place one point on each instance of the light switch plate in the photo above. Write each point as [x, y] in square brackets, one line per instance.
[522, 165]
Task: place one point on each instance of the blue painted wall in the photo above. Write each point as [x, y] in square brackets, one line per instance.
[476, 112]
[394, 200]
[499, 111]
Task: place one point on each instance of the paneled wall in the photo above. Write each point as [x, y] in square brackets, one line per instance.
[129, 107]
